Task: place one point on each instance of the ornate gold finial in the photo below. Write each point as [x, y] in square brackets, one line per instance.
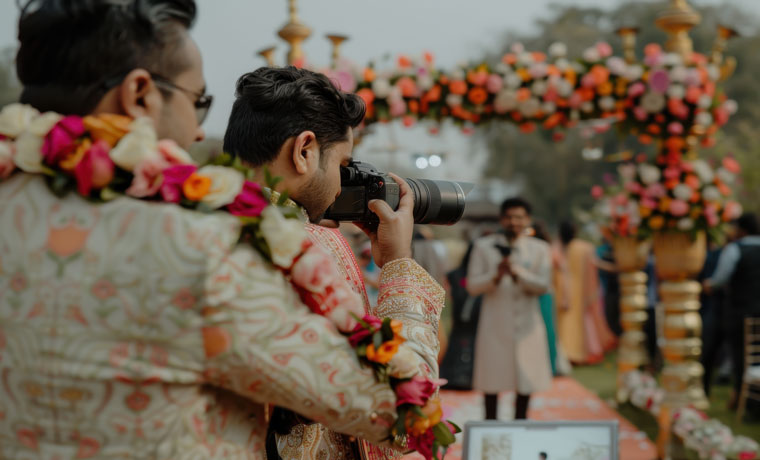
[628, 35]
[336, 42]
[294, 32]
[268, 55]
[676, 21]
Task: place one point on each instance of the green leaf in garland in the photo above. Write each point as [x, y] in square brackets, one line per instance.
[283, 198]
[377, 339]
[418, 411]
[443, 435]
[61, 184]
[108, 194]
[386, 329]
[399, 428]
[457, 428]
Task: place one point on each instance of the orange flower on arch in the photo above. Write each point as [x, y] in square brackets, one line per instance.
[458, 87]
[477, 95]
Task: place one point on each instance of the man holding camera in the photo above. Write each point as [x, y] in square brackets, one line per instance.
[132, 328]
[297, 125]
[512, 270]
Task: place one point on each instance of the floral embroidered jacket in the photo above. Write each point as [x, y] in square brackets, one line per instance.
[143, 330]
[317, 441]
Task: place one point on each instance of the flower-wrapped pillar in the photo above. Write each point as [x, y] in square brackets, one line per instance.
[679, 257]
[630, 258]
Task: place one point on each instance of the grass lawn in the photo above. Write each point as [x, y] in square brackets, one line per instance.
[600, 378]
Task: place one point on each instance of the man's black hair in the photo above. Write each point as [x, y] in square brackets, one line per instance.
[749, 223]
[71, 49]
[516, 202]
[275, 104]
[567, 232]
[543, 455]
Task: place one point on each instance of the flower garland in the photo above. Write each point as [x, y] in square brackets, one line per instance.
[685, 196]
[106, 156]
[709, 438]
[663, 97]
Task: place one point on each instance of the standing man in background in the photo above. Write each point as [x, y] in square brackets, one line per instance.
[512, 271]
[738, 270]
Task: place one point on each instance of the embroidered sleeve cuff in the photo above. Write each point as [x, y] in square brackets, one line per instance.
[405, 276]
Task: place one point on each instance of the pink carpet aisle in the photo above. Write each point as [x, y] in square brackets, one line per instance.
[567, 400]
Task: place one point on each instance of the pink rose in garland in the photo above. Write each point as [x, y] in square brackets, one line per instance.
[174, 177]
[148, 177]
[62, 139]
[417, 390]
[249, 202]
[95, 170]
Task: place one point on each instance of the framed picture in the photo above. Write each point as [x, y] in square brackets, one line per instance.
[537, 440]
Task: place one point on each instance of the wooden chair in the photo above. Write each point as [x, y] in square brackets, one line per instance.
[750, 388]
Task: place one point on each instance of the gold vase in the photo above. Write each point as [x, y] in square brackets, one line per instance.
[678, 258]
[631, 256]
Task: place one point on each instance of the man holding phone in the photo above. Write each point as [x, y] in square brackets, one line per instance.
[512, 270]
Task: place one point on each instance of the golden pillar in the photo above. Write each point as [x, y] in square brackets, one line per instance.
[268, 55]
[336, 41]
[676, 21]
[631, 257]
[294, 32]
[678, 258]
[628, 37]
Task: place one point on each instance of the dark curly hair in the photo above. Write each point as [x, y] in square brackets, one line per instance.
[71, 48]
[275, 104]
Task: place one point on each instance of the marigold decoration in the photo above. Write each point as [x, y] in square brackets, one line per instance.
[107, 156]
[686, 196]
[663, 97]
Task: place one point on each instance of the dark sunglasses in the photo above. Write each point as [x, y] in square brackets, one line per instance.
[201, 100]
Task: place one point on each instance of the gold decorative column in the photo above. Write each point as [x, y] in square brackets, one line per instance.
[268, 55]
[336, 41]
[678, 258]
[676, 21]
[294, 32]
[631, 258]
[628, 36]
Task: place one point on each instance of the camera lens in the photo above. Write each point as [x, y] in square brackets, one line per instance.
[437, 202]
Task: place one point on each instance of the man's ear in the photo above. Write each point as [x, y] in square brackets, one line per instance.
[305, 152]
[139, 96]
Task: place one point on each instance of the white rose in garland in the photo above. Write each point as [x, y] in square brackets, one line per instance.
[685, 224]
[6, 159]
[403, 364]
[703, 170]
[15, 118]
[28, 155]
[683, 192]
[649, 173]
[283, 236]
[138, 145]
[711, 193]
[226, 184]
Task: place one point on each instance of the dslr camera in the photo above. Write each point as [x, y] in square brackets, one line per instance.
[435, 202]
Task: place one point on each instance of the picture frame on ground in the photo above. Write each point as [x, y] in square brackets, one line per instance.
[539, 440]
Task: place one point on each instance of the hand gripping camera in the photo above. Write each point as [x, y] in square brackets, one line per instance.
[435, 202]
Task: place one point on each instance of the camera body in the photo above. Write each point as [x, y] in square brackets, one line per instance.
[435, 202]
[360, 184]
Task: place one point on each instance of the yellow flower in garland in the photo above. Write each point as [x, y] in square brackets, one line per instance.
[432, 414]
[644, 211]
[384, 353]
[196, 187]
[656, 222]
[72, 160]
[107, 126]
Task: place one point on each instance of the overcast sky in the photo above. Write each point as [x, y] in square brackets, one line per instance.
[229, 32]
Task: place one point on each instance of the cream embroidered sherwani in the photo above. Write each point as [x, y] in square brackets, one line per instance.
[418, 308]
[142, 330]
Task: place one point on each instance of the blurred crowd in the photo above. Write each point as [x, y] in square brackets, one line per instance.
[511, 327]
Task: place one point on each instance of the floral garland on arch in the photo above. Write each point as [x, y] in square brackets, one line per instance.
[663, 97]
[684, 196]
[107, 156]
